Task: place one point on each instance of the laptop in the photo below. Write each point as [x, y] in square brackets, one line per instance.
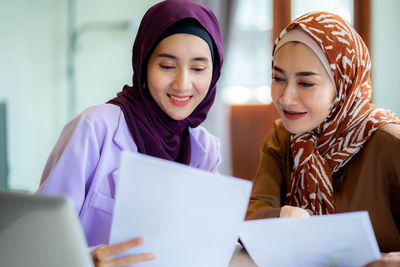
[40, 231]
[187, 216]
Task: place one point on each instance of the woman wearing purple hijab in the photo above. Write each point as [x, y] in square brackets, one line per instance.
[177, 58]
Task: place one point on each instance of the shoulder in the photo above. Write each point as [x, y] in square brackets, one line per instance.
[100, 119]
[390, 130]
[385, 138]
[96, 122]
[383, 147]
[101, 114]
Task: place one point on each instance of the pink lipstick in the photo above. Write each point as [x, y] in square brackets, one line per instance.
[179, 100]
[292, 115]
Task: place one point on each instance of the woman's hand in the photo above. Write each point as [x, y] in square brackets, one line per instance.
[104, 256]
[391, 259]
[290, 211]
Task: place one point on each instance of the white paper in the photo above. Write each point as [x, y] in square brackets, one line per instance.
[345, 239]
[188, 217]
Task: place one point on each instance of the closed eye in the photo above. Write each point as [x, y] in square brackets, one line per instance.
[166, 67]
[198, 69]
[306, 84]
[277, 78]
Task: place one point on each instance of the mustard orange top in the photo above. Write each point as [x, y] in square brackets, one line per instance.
[369, 181]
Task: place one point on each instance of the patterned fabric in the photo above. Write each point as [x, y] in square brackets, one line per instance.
[352, 120]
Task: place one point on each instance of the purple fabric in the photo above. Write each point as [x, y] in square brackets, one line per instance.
[84, 165]
[153, 131]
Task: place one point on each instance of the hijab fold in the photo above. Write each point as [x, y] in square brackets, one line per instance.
[319, 153]
[154, 132]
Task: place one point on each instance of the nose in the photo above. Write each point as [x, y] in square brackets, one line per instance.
[182, 80]
[289, 94]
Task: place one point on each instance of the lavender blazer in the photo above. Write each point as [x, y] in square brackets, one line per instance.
[84, 165]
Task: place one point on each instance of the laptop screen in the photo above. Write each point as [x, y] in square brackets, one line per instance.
[37, 230]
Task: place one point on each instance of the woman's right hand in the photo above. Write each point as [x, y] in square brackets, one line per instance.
[104, 256]
[290, 211]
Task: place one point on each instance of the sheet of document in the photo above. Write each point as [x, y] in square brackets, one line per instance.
[345, 239]
[188, 217]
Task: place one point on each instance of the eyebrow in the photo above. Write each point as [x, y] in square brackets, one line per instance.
[200, 59]
[175, 58]
[167, 56]
[301, 73]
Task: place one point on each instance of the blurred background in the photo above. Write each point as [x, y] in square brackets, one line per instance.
[58, 57]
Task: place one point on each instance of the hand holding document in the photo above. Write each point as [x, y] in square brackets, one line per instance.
[188, 217]
[345, 239]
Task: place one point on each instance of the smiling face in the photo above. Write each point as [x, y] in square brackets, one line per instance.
[179, 73]
[301, 88]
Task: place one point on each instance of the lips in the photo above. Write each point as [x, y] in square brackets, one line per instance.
[293, 115]
[179, 100]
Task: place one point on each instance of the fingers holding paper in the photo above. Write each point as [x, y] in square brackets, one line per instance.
[391, 259]
[104, 256]
[290, 211]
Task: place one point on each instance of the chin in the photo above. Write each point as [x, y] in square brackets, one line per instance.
[178, 117]
[293, 129]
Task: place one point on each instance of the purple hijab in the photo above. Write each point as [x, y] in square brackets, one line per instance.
[154, 132]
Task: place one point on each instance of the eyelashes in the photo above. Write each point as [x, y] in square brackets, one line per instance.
[171, 67]
[305, 84]
[167, 67]
[277, 78]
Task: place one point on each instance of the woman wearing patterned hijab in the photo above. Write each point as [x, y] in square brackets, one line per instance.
[332, 150]
[177, 59]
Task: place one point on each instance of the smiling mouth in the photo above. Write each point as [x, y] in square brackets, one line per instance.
[292, 115]
[293, 112]
[179, 100]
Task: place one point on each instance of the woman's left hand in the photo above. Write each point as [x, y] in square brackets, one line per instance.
[391, 259]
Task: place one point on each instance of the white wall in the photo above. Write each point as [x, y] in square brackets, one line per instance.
[33, 77]
[385, 54]
[31, 66]
[103, 56]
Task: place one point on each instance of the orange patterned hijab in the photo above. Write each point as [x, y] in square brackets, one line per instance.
[319, 153]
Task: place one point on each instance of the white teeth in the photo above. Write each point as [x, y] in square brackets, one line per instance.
[294, 113]
[179, 98]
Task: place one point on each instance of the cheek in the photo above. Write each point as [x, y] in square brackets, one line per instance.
[322, 100]
[275, 93]
[155, 81]
[203, 84]
[155, 86]
[150, 76]
[321, 94]
[323, 110]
